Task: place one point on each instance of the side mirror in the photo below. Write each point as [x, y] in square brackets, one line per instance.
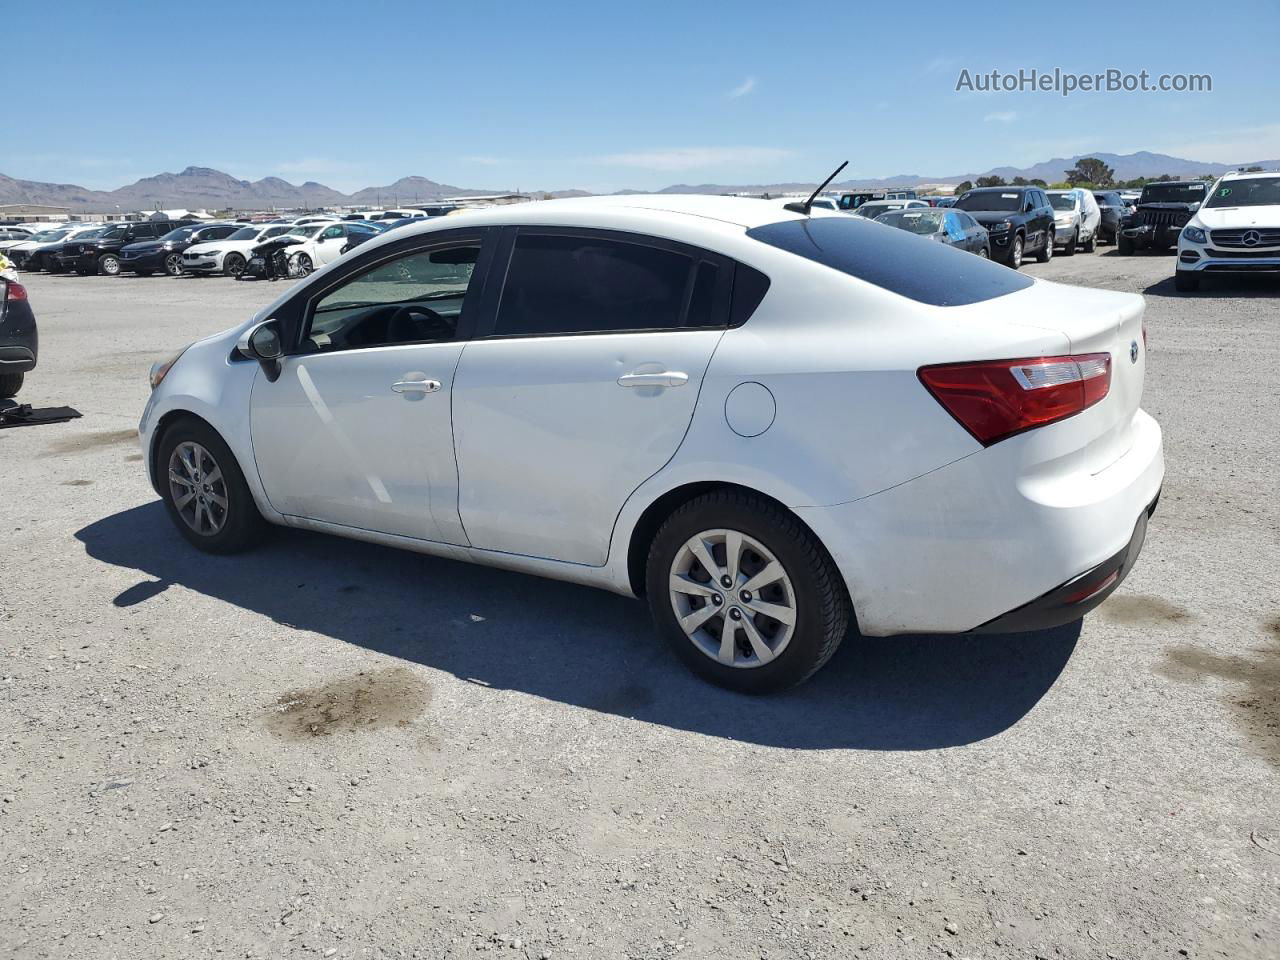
[263, 343]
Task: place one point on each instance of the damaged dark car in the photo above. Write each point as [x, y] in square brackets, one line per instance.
[1162, 211]
[19, 344]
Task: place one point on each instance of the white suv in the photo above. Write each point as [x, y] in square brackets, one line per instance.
[1236, 230]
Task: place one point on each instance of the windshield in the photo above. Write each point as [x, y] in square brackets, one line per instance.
[246, 233]
[998, 200]
[922, 222]
[180, 234]
[1257, 192]
[47, 235]
[1062, 201]
[1172, 193]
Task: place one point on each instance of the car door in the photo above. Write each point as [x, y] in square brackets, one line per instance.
[356, 428]
[581, 385]
[329, 243]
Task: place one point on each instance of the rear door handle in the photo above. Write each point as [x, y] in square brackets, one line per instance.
[416, 386]
[668, 378]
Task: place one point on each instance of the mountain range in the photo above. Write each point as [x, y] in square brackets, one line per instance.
[206, 188]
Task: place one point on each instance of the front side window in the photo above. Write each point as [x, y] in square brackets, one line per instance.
[415, 298]
[331, 233]
[582, 284]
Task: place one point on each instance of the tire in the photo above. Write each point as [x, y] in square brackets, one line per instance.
[173, 264]
[1015, 252]
[301, 266]
[809, 591]
[109, 265]
[1045, 254]
[233, 265]
[984, 253]
[1124, 245]
[1186, 281]
[223, 517]
[53, 266]
[1070, 249]
[46, 263]
[10, 384]
[1092, 244]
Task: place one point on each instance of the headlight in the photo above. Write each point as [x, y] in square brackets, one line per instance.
[161, 368]
[1000, 227]
[1062, 221]
[208, 253]
[1194, 234]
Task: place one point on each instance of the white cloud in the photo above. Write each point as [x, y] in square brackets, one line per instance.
[742, 89]
[694, 158]
[1001, 116]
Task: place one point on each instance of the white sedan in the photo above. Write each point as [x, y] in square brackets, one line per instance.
[777, 428]
[322, 244]
[229, 256]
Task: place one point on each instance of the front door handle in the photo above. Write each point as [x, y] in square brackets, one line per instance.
[668, 378]
[416, 386]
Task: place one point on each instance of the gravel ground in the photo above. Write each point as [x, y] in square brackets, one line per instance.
[334, 749]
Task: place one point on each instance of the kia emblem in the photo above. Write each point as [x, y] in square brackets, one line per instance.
[1251, 238]
[1133, 352]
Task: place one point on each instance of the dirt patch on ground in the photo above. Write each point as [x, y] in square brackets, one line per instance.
[84, 442]
[368, 701]
[1136, 609]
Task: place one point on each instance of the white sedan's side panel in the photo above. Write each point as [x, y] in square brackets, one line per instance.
[362, 438]
[550, 444]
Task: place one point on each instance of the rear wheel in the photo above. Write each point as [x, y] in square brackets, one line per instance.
[205, 492]
[1092, 243]
[1185, 281]
[173, 264]
[11, 383]
[233, 265]
[745, 594]
[1124, 245]
[109, 265]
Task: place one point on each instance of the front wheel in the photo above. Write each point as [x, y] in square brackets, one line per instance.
[205, 492]
[1046, 252]
[233, 265]
[10, 384]
[745, 594]
[301, 266]
[1070, 249]
[984, 253]
[109, 265]
[1015, 252]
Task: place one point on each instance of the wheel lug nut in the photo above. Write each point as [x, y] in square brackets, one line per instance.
[735, 614]
[726, 582]
[716, 599]
[746, 596]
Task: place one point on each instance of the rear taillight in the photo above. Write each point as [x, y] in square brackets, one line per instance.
[994, 399]
[16, 291]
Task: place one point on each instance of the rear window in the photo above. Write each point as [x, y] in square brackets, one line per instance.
[893, 260]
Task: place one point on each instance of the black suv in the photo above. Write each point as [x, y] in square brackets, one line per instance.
[1163, 210]
[1019, 221]
[147, 256]
[102, 254]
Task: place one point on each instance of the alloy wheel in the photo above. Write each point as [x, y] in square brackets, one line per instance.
[173, 264]
[732, 598]
[197, 488]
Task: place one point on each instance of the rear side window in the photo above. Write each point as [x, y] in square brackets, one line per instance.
[560, 284]
[893, 260]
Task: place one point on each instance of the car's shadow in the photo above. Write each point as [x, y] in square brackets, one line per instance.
[589, 648]
[1234, 286]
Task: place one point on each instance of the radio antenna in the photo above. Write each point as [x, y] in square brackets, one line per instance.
[808, 204]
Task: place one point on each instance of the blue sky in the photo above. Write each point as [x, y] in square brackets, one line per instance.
[603, 96]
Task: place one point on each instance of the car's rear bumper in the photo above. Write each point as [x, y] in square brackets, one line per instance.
[19, 339]
[970, 542]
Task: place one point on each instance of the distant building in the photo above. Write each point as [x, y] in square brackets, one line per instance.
[24, 212]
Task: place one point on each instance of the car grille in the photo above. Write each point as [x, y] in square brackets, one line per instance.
[1162, 218]
[1261, 237]
[1242, 254]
